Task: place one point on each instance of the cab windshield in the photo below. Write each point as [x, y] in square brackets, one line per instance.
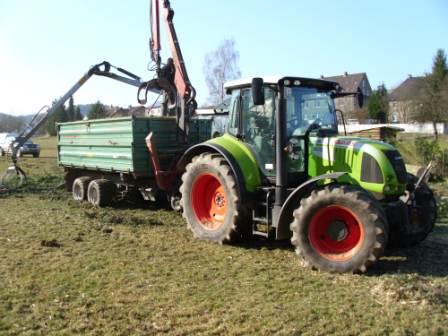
[306, 107]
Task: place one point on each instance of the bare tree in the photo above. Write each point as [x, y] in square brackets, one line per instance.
[220, 66]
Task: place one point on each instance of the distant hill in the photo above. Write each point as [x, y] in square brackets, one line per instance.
[85, 108]
[10, 123]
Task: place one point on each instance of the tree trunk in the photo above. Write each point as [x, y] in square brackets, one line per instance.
[436, 134]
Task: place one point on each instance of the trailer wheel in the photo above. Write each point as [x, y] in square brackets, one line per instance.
[422, 217]
[340, 229]
[101, 192]
[79, 188]
[210, 199]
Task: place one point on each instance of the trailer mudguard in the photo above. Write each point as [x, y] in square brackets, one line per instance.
[293, 201]
[240, 177]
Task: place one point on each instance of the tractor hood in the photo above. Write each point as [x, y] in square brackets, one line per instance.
[374, 165]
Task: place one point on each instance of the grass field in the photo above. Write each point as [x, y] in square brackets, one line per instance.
[67, 268]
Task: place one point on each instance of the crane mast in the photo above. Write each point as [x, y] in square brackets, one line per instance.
[172, 77]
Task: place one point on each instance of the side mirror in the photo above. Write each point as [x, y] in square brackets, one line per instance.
[257, 91]
[360, 97]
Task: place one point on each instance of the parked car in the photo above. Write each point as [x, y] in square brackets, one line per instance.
[28, 148]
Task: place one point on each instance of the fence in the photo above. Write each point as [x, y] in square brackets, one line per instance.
[423, 128]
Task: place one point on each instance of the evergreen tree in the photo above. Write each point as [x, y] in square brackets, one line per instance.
[78, 114]
[378, 105]
[434, 95]
[60, 115]
[97, 111]
[439, 67]
[71, 110]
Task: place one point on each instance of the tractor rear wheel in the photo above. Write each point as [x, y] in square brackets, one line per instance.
[210, 199]
[101, 192]
[339, 228]
[79, 188]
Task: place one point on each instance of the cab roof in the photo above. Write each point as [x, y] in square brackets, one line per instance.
[307, 82]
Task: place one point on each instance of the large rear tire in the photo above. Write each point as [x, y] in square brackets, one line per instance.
[210, 199]
[339, 229]
[101, 192]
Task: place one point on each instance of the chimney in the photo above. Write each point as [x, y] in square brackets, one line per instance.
[321, 76]
[345, 74]
[409, 75]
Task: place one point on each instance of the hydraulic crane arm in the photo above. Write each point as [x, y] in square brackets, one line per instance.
[102, 69]
[182, 82]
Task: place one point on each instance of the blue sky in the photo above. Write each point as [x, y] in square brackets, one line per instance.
[46, 45]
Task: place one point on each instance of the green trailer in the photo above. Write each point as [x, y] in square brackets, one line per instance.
[115, 152]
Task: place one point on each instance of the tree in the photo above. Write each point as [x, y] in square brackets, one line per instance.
[220, 66]
[378, 106]
[58, 116]
[71, 110]
[97, 111]
[439, 67]
[78, 114]
[433, 98]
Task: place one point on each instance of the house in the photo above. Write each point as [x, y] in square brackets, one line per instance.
[351, 83]
[403, 100]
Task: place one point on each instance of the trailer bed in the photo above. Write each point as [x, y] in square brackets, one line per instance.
[117, 145]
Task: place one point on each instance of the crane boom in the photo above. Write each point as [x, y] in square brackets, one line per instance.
[172, 78]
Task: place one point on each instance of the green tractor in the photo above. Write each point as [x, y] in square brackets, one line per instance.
[282, 171]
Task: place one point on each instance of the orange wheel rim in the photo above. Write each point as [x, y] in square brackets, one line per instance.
[336, 233]
[209, 201]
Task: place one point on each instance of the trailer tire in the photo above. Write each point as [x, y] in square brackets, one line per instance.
[210, 199]
[101, 192]
[79, 188]
[339, 228]
[422, 218]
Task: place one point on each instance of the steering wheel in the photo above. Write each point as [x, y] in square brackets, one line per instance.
[315, 124]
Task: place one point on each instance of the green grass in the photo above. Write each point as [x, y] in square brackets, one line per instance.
[405, 143]
[132, 270]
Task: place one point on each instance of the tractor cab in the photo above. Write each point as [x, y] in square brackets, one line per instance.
[306, 108]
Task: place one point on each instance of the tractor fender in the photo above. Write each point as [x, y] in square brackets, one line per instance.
[292, 202]
[215, 148]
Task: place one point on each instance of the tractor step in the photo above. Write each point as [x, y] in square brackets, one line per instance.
[260, 220]
[262, 214]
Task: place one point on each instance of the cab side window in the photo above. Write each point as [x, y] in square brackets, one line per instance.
[234, 117]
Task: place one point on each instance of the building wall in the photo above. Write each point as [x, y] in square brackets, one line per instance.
[403, 111]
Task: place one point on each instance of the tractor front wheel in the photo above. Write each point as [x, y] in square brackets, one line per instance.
[210, 199]
[340, 229]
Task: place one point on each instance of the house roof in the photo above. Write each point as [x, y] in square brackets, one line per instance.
[407, 90]
[349, 82]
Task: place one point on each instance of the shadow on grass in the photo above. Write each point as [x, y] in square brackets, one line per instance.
[430, 258]
[259, 243]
